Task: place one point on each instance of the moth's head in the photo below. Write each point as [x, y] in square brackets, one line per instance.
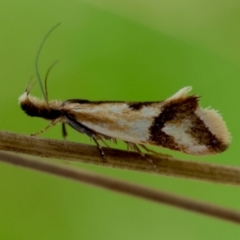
[36, 107]
[31, 105]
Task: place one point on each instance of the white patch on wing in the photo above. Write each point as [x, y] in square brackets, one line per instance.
[110, 108]
[180, 94]
[136, 131]
[117, 120]
[214, 122]
[179, 131]
[148, 111]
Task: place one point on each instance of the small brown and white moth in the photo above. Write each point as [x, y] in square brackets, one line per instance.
[177, 123]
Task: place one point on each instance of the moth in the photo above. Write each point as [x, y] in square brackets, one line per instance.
[178, 123]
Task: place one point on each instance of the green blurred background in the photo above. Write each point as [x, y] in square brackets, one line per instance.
[117, 50]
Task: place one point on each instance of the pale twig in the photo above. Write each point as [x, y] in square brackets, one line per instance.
[119, 159]
[123, 187]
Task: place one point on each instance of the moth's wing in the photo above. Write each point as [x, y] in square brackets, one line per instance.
[115, 119]
[178, 123]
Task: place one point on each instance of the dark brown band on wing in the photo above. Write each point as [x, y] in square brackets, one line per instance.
[172, 111]
[205, 137]
[136, 106]
[175, 111]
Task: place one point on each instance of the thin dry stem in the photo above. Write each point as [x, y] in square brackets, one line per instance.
[123, 187]
[117, 158]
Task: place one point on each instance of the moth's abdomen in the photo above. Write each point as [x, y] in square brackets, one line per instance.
[35, 107]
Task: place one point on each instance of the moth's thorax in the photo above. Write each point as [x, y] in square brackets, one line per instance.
[36, 107]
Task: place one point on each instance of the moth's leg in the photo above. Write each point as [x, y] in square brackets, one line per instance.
[147, 149]
[114, 140]
[52, 123]
[99, 137]
[102, 138]
[94, 138]
[64, 131]
[82, 129]
[135, 148]
[153, 152]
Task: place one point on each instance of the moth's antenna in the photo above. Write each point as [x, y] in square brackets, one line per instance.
[37, 57]
[29, 85]
[46, 78]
